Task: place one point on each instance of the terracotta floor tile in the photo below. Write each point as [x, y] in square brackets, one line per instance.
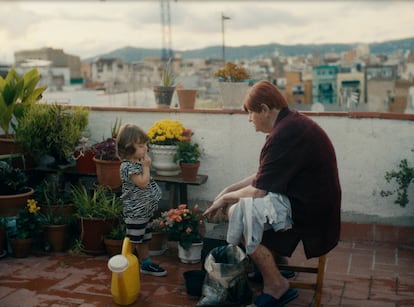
[365, 303]
[359, 288]
[389, 256]
[332, 292]
[357, 274]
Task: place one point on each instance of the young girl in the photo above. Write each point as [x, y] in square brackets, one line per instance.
[140, 193]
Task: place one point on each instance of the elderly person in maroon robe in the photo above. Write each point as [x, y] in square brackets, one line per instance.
[297, 162]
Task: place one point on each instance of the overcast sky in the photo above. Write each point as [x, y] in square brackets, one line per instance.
[89, 28]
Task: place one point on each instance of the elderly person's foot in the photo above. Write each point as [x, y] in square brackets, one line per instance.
[266, 300]
[277, 290]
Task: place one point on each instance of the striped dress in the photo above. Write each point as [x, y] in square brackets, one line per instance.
[138, 203]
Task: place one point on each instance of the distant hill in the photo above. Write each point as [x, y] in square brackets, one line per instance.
[132, 54]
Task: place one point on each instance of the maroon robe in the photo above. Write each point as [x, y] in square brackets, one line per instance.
[298, 160]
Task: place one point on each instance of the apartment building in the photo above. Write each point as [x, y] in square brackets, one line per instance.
[324, 84]
[354, 80]
[56, 56]
[57, 68]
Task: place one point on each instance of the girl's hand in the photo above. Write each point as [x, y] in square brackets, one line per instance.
[146, 160]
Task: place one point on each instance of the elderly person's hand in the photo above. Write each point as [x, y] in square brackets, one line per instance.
[218, 204]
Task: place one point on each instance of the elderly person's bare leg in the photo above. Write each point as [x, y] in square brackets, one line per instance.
[274, 283]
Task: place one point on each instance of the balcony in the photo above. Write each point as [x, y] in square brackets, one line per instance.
[371, 266]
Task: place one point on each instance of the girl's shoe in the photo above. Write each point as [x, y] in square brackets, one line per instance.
[153, 269]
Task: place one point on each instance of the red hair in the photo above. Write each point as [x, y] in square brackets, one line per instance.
[264, 92]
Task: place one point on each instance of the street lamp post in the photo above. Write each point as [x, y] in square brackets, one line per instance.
[223, 18]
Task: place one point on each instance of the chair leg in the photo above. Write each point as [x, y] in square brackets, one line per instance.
[319, 280]
[317, 285]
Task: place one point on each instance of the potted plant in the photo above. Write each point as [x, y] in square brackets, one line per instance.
[164, 135]
[57, 212]
[14, 191]
[97, 211]
[114, 240]
[158, 244]
[233, 85]
[187, 156]
[53, 130]
[28, 229]
[165, 91]
[56, 227]
[107, 160]
[16, 94]
[53, 197]
[83, 156]
[184, 226]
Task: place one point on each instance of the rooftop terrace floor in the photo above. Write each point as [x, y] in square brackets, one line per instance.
[357, 274]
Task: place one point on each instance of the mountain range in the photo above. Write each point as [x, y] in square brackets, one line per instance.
[133, 54]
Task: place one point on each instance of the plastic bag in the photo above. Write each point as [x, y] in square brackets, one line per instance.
[226, 281]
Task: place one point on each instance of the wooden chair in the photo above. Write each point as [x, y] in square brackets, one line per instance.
[316, 285]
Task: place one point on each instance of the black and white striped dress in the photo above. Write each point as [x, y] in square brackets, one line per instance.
[138, 203]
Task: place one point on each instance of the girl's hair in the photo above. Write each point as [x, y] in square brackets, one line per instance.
[266, 93]
[128, 136]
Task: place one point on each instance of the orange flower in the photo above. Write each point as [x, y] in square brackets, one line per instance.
[178, 219]
[183, 224]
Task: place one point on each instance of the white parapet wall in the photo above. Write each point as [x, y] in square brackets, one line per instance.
[366, 147]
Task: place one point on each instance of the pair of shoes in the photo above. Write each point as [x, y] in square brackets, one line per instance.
[256, 276]
[266, 300]
[153, 269]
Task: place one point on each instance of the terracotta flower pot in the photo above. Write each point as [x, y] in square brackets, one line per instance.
[107, 172]
[186, 98]
[113, 247]
[93, 232]
[85, 163]
[158, 244]
[189, 171]
[11, 204]
[21, 247]
[9, 146]
[56, 235]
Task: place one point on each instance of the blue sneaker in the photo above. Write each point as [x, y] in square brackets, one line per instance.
[153, 269]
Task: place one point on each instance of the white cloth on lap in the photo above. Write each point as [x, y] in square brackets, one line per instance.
[251, 217]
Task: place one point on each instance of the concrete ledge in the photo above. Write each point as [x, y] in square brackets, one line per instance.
[351, 231]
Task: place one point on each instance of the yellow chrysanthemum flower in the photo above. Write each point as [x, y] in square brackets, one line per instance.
[32, 206]
[166, 132]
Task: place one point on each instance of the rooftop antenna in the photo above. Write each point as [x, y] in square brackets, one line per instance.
[166, 52]
[223, 18]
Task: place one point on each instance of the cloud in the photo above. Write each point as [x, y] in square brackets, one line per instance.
[88, 28]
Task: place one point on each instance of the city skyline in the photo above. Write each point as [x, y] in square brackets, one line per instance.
[91, 28]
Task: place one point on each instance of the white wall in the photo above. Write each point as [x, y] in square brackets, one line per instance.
[366, 148]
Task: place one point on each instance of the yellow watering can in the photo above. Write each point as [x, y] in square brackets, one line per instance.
[125, 285]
